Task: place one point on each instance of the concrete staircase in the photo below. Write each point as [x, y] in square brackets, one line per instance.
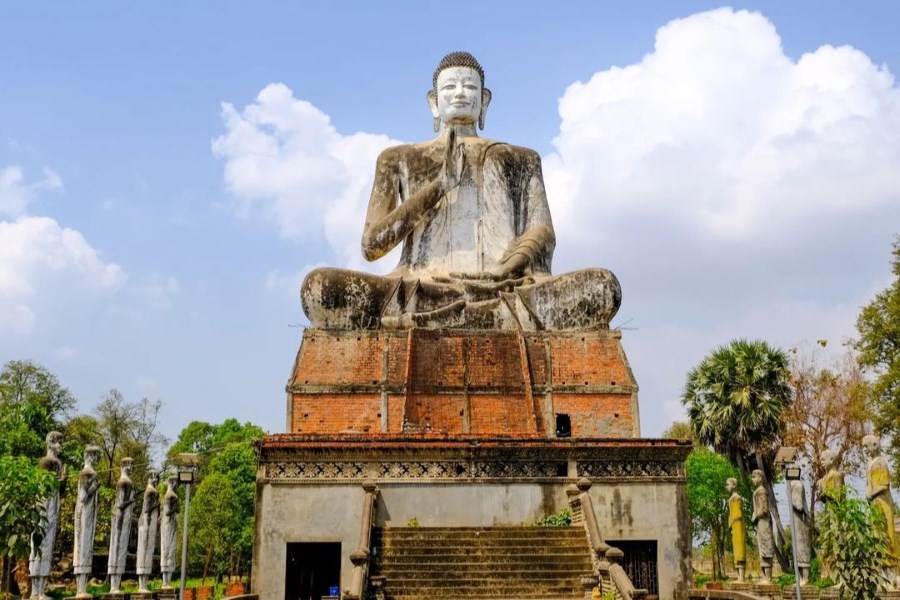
[473, 563]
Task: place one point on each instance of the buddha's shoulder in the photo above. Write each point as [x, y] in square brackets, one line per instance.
[405, 151]
[509, 151]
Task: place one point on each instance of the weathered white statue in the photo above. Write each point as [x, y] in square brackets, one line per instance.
[148, 528]
[41, 554]
[738, 529]
[761, 518]
[878, 492]
[168, 536]
[472, 218]
[85, 521]
[801, 527]
[120, 527]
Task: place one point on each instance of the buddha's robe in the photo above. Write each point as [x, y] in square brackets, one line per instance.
[764, 538]
[738, 528]
[498, 211]
[878, 489]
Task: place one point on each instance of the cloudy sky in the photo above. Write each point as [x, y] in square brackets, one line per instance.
[169, 172]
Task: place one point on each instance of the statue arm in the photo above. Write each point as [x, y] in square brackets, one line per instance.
[533, 248]
[388, 219]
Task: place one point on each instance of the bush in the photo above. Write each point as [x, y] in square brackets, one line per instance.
[561, 519]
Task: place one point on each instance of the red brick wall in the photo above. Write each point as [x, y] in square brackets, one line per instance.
[596, 415]
[336, 413]
[340, 377]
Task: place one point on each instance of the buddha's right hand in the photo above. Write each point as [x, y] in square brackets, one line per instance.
[454, 163]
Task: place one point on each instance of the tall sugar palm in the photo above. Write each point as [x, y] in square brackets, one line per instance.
[735, 398]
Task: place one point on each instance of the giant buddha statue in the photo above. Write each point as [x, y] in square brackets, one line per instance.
[477, 239]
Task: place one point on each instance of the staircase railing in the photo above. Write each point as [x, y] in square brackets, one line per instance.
[606, 560]
[360, 556]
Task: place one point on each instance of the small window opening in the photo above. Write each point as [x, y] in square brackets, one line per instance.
[563, 426]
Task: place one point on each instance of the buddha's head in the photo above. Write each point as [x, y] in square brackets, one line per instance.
[872, 445]
[152, 478]
[458, 95]
[731, 484]
[126, 467]
[757, 477]
[172, 483]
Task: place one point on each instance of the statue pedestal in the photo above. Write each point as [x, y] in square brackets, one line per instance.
[167, 594]
[451, 381]
[114, 596]
[142, 596]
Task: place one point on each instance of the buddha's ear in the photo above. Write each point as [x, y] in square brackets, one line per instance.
[485, 102]
[431, 97]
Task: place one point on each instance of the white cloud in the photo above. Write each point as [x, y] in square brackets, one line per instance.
[735, 191]
[285, 161]
[15, 194]
[47, 269]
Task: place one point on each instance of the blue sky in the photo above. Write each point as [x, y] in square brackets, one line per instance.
[734, 169]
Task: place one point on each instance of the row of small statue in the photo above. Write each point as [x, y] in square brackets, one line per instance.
[156, 518]
[878, 492]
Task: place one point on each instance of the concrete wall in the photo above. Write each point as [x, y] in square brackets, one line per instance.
[308, 513]
[317, 513]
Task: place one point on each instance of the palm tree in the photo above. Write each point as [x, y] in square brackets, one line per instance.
[735, 398]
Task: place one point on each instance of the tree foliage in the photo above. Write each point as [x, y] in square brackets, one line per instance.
[829, 411]
[850, 539]
[878, 325]
[222, 512]
[707, 475]
[23, 489]
[735, 399]
[32, 404]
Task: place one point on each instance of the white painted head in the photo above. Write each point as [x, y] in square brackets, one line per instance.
[458, 95]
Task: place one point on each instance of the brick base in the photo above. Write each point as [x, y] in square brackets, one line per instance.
[462, 382]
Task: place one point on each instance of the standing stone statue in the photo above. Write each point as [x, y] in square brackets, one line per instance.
[120, 527]
[761, 518]
[832, 484]
[477, 239]
[801, 529]
[738, 528]
[85, 521]
[878, 492]
[41, 554]
[148, 528]
[168, 536]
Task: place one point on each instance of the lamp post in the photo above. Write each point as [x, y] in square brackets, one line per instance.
[187, 467]
[785, 459]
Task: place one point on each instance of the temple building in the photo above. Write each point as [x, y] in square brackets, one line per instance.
[434, 416]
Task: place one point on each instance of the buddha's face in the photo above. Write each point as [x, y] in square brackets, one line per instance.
[730, 485]
[756, 478]
[458, 96]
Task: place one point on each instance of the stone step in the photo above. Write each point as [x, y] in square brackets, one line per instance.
[498, 588]
[483, 546]
[518, 532]
[499, 562]
[483, 575]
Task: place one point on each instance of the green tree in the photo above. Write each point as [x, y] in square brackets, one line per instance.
[32, 404]
[707, 474]
[682, 430]
[879, 351]
[222, 512]
[735, 399]
[23, 487]
[850, 540]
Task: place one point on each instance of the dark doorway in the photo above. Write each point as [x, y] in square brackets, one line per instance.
[312, 570]
[639, 562]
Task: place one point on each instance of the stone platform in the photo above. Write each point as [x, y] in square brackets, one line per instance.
[463, 382]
